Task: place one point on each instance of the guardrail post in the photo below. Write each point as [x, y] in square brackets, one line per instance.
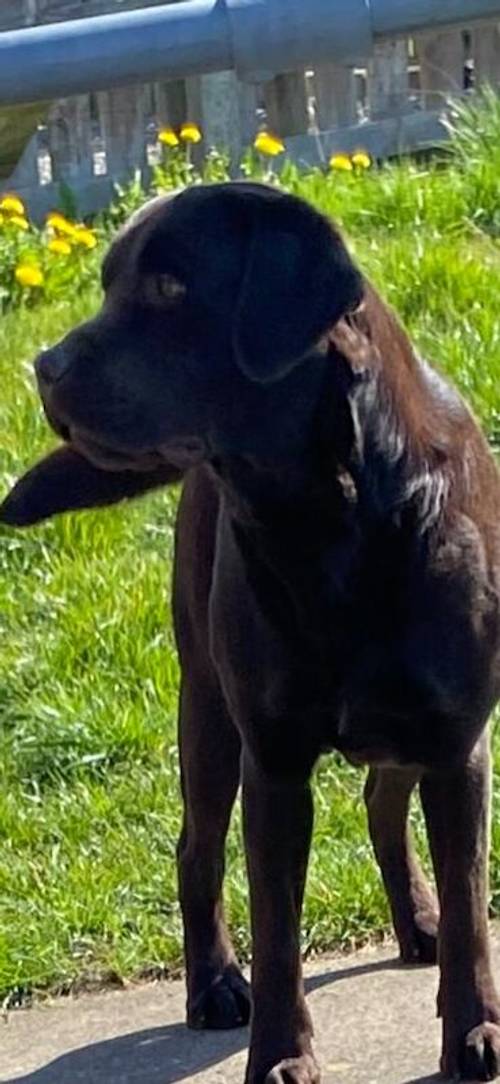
[171, 103]
[486, 54]
[388, 79]
[442, 60]
[286, 104]
[224, 108]
[122, 118]
[335, 93]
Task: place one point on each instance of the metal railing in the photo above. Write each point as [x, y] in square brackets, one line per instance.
[253, 37]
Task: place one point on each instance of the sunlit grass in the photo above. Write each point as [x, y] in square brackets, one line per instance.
[89, 793]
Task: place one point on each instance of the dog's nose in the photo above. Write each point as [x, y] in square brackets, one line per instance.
[51, 365]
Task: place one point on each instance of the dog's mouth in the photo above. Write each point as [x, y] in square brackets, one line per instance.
[181, 453]
[107, 458]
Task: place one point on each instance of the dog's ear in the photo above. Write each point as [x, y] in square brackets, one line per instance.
[298, 281]
[65, 481]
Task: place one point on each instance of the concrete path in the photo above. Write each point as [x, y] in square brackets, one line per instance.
[374, 1020]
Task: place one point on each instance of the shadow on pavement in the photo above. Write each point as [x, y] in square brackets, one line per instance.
[164, 1055]
[155, 1056]
[426, 1079]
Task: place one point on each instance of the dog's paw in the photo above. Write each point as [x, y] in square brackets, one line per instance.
[225, 1003]
[302, 1070]
[477, 1057]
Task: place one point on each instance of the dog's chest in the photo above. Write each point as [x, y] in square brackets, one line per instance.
[348, 648]
[282, 638]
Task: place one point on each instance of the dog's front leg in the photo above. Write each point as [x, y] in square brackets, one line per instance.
[277, 823]
[456, 807]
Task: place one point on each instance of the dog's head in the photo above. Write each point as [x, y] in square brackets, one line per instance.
[214, 299]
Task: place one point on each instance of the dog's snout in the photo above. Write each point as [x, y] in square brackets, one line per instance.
[51, 365]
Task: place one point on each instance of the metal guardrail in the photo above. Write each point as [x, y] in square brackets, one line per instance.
[257, 38]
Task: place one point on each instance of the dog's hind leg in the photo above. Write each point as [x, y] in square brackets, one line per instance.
[457, 811]
[413, 904]
[218, 995]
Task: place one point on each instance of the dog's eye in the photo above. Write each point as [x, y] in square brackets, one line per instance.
[170, 289]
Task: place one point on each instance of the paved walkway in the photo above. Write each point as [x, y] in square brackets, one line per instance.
[374, 1019]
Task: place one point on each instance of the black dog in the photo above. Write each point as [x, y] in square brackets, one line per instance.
[336, 585]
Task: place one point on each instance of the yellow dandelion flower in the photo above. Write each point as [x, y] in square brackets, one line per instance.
[29, 274]
[59, 246]
[60, 224]
[271, 145]
[12, 205]
[83, 236]
[168, 137]
[341, 162]
[190, 133]
[361, 160]
[20, 221]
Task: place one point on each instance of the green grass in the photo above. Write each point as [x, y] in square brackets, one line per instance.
[89, 793]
